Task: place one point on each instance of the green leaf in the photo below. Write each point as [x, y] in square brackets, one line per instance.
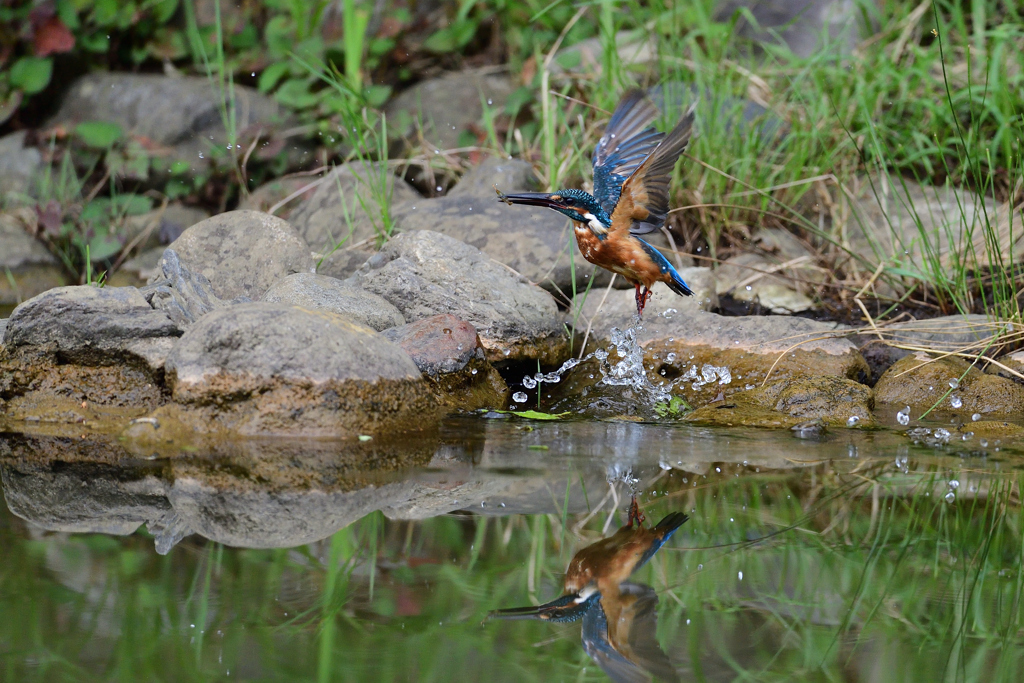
[98, 134]
[534, 414]
[272, 75]
[163, 10]
[451, 38]
[295, 93]
[103, 247]
[131, 204]
[31, 74]
[95, 42]
[377, 95]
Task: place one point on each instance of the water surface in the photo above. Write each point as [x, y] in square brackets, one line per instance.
[850, 555]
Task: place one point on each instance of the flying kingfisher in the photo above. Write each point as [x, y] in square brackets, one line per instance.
[633, 164]
[600, 568]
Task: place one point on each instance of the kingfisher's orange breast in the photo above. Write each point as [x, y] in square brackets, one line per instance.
[623, 255]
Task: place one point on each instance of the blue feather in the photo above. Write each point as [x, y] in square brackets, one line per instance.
[677, 285]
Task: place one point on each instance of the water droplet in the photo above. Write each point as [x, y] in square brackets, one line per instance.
[955, 401]
[954, 383]
[950, 497]
[852, 421]
[670, 357]
[976, 417]
[748, 288]
[740, 574]
[519, 397]
[954, 484]
[473, 371]
[983, 443]
[903, 417]
[699, 567]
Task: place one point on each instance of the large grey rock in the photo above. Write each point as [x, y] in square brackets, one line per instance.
[243, 253]
[426, 273]
[26, 266]
[535, 242]
[799, 24]
[269, 519]
[82, 500]
[751, 277]
[183, 114]
[345, 209]
[442, 108]
[85, 324]
[291, 190]
[19, 166]
[263, 368]
[321, 292]
[163, 225]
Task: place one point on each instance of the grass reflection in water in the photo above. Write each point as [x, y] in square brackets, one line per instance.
[879, 578]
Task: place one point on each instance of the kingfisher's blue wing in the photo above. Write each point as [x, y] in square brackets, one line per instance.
[635, 655]
[626, 142]
[643, 200]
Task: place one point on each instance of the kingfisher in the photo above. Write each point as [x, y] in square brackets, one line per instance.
[633, 164]
[620, 633]
[600, 568]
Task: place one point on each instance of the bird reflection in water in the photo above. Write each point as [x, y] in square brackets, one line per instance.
[619, 617]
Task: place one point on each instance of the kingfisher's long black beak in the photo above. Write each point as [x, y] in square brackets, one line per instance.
[529, 199]
[563, 609]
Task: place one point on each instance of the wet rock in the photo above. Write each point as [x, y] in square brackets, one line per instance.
[970, 333]
[320, 292]
[83, 345]
[19, 166]
[994, 430]
[345, 209]
[182, 114]
[86, 325]
[602, 310]
[834, 400]
[920, 380]
[76, 499]
[805, 26]
[448, 351]
[262, 368]
[424, 274]
[1011, 363]
[292, 190]
[739, 411]
[243, 253]
[443, 108]
[27, 268]
[534, 242]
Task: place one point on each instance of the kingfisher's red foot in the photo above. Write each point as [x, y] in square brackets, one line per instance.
[635, 514]
[641, 300]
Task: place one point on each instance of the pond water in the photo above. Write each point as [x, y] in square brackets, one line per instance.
[844, 555]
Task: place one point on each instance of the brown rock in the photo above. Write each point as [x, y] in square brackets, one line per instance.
[448, 351]
[919, 381]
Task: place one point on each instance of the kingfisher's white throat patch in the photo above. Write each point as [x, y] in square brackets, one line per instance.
[595, 225]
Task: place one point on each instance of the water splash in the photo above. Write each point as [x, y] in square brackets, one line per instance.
[622, 365]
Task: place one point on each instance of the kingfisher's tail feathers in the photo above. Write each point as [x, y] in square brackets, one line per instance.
[670, 523]
[676, 282]
[564, 609]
